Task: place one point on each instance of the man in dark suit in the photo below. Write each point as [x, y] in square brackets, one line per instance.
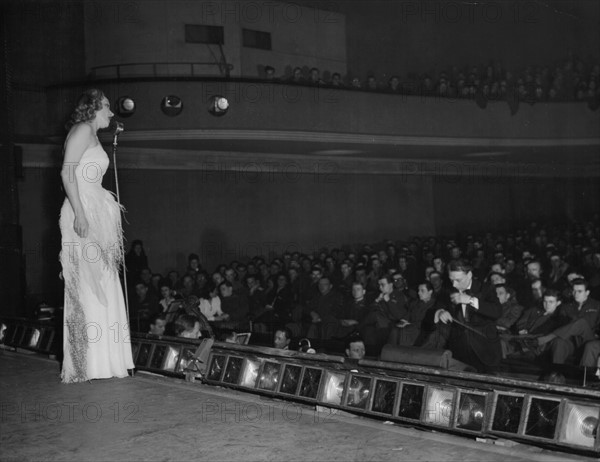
[582, 318]
[473, 339]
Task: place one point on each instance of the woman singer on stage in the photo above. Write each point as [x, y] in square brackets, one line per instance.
[96, 333]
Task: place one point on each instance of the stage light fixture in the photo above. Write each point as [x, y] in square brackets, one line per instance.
[187, 357]
[310, 382]
[233, 370]
[507, 410]
[34, 338]
[269, 377]
[334, 388]
[411, 401]
[170, 359]
[143, 354]
[438, 406]
[171, 105]
[158, 355]
[250, 374]
[580, 425]
[125, 106]
[357, 395]
[471, 411]
[384, 397]
[291, 379]
[217, 364]
[542, 418]
[218, 105]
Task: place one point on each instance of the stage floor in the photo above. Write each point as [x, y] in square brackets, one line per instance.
[152, 418]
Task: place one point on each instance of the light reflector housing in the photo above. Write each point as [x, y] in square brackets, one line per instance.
[438, 406]
[579, 425]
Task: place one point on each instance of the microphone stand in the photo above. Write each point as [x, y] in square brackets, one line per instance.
[118, 130]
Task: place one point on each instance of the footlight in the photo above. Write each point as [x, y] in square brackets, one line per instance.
[269, 376]
[311, 379]
[507, 411]
[542, 418]
[438, 406]
[470, 414]
[233, 370]
[384, 397]
[580, 425]
[250, 374]
[357, 395]
[217, 365]
[333, 388]
[125, 106]
[218, 105]
[291, 379]
[411, 401]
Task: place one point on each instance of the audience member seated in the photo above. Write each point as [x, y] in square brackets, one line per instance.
[408, 330]
[278, 308]
[355, 348]
[187, 326]
[322, 310]
[468, 326]
[166, 295]
[352, 313]
[282, 338]
[158, 324]
[533, 323]
[143, 307]
[210, 305]
[511, 310]
[135, 261]
[235, 307]
[583, 316]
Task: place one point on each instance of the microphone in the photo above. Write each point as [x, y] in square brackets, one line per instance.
[118, 128]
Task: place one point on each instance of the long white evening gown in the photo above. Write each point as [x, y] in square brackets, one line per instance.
[96, 333]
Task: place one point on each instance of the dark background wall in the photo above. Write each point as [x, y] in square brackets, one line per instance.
[395, 37]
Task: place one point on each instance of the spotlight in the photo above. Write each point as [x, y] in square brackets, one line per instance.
[125, 106]
[218, 105]
[579, 425]
[171, 105]
[334, 388]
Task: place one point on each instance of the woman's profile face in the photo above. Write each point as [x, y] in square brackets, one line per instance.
[104, 114]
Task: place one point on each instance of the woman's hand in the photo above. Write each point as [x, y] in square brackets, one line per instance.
[81, 226]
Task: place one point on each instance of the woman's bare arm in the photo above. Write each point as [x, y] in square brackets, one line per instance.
[80, 138]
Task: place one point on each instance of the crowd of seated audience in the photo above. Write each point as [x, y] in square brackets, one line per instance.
[571, 79]
[530, 294]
